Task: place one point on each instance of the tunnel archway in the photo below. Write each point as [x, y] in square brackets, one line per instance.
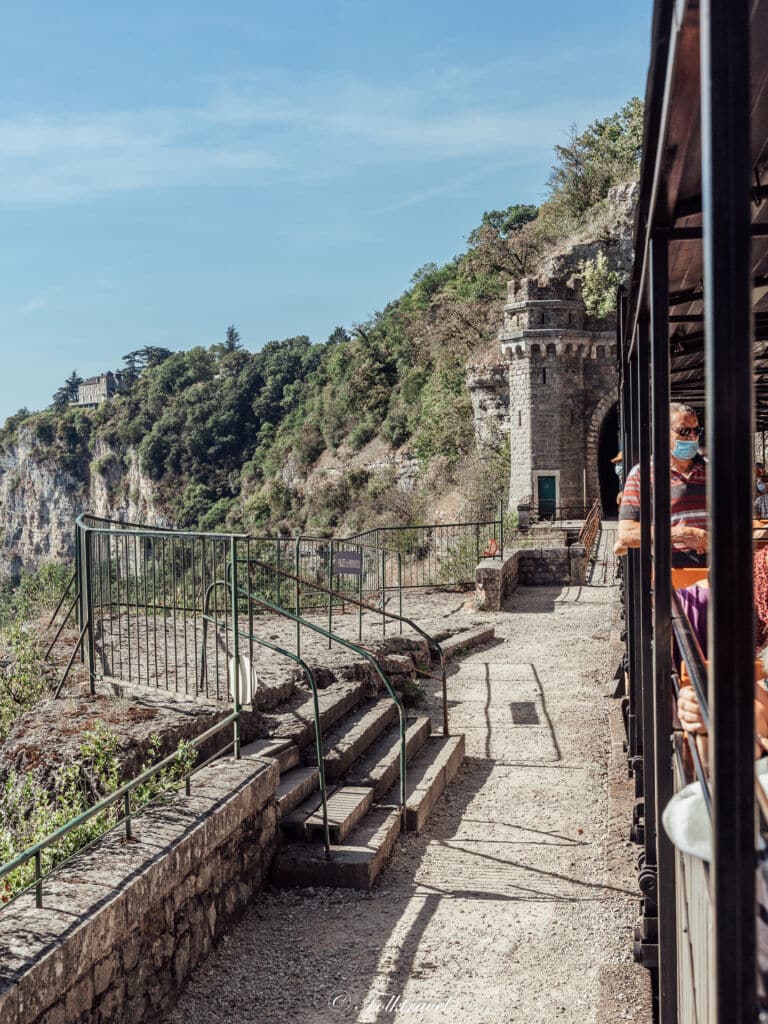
[607, 447]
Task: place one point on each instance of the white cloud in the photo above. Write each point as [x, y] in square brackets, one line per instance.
[34, 304]
[261, 128]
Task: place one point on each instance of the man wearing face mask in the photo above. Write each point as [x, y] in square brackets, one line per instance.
[761, 492]
[688, 494]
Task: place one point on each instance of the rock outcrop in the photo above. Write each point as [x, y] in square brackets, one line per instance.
[40, 500]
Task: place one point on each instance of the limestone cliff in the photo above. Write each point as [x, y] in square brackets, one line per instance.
[40, 500]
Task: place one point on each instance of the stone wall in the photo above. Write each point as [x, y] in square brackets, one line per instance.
[496, 579]
[125, 923]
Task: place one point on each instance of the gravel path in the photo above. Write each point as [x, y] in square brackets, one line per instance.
[517, 902]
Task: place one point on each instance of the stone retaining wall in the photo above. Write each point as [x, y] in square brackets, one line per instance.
[496, 579]
[126, 922]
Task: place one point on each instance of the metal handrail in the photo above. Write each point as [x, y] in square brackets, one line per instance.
[312, 684]
[698, 764]
[431, 642]
[591, 526]
[122, 794]
[692, 655]
[369, 657]
[119, 529]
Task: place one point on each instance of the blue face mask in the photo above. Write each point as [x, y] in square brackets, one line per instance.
[619, 468]
[761, 488]
[685, 450]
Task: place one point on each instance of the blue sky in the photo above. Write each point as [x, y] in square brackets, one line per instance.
[167, 169]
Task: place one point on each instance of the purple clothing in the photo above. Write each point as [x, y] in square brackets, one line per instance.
[694, 601]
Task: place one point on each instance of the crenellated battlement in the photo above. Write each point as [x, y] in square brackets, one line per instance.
[534, 289]
[540, 304]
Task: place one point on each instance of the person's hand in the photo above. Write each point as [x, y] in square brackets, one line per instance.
[688, 711]
[692, 537]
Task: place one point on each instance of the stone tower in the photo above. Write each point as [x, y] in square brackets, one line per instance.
[563, 381]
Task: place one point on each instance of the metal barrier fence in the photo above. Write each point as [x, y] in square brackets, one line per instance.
[165, 609]
[438, 554]
[560, 513]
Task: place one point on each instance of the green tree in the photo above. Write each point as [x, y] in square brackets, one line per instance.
[503, 244]
[599, 284]
[605, 154]
[68, 391]
[232, 339]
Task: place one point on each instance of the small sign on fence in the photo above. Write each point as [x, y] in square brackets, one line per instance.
[348, 563]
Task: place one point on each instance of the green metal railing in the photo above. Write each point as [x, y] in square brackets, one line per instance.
[252, 638]
[367, 656]
[122, 798]
[438, 554]
[432, 644]
[139, 597]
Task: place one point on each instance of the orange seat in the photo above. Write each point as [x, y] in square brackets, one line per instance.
[687, 577]
[685, 679]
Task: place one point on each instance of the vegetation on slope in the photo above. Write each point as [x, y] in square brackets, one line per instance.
[228, 435]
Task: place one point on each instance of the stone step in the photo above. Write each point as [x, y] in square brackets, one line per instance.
[461, 643]
[346, 806]
[286, 753]
[297, 724]
[428, 775]
[380, 768]
[354, 865]
[294, 787]
[350, 740]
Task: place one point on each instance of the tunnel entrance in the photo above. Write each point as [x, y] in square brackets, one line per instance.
[607, 447]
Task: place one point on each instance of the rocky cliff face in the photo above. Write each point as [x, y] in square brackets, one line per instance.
[39, 501]
[489, 391]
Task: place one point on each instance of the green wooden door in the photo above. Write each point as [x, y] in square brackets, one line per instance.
[547, 496]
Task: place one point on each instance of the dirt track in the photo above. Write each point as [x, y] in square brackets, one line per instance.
[517, 902]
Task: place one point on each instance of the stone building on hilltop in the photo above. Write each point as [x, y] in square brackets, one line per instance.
[555, 396]
[95, 390]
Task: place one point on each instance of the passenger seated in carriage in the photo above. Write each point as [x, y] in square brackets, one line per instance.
[694, 600]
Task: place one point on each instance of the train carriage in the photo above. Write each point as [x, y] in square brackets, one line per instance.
[693, 328]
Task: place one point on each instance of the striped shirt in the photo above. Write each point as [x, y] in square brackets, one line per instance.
[687, 499]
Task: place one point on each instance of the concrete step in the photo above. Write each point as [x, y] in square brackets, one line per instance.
[346, 806]
[350, 740]
[297, 724]
[428, 775]
[294, 787]
[380, 768]
[462, 643]
[353, 865]
[287, 753]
